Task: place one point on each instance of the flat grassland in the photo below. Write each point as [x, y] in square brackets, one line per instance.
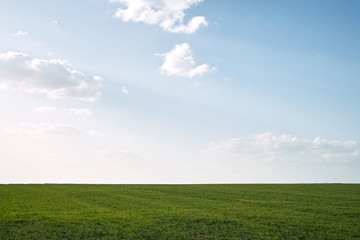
[230, 211]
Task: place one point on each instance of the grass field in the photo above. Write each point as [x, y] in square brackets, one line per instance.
[259, 211]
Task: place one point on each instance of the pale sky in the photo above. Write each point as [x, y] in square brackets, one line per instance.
[179, 91]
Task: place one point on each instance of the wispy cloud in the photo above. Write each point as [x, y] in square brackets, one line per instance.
[270, 147]
[20, 34]
[54, 78]
[180, 62]
[168, 14]
[78, 111]
[42, 130]
[73, 111]
[45, 109]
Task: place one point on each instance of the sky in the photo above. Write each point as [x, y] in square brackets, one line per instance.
[179, 91]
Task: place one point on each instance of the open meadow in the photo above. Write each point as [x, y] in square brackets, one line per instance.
[101, 99]
[254, 211]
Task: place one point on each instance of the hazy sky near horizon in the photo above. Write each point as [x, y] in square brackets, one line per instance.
[179, 91]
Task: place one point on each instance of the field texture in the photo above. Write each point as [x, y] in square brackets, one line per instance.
[311, 211]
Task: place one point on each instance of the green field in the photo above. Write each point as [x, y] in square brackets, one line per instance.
[254, 211]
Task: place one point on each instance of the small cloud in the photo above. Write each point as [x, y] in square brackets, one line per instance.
[20, 34]
[43, 130]
[227, 79]
[79, 111]
[179, 62]
[168, 14]
[45, 109]
[124, 90]
[55, 21]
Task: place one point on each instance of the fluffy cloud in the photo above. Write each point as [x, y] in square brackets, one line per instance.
[179, 62]
[54, 78]
[270, 147]
[168, 14]
[78, 111]
[43, 130]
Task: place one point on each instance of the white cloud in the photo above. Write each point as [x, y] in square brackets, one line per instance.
[124, 90]
[20, 34]
[43, 130]
[55, 21]
[54, 78]
[78, 111]
[179, 62]
[45, 109]
[168, 14]
[270, 147]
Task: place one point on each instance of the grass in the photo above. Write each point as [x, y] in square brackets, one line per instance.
[259, 211]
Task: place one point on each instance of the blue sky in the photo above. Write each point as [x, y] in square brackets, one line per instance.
[162, 91]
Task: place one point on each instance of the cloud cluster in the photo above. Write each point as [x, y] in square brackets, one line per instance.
[168, 14]
[54, 78]
[43, 130]
[270, 147]
[180, 62]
